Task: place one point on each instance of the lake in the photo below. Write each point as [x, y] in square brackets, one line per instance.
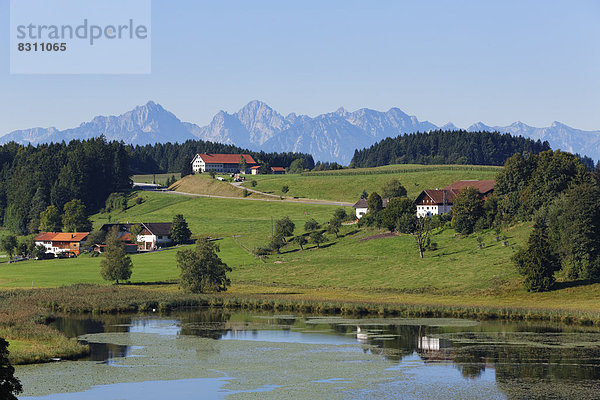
[214, 353]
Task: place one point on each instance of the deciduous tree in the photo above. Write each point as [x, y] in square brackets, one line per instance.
[116, 264]
[50, 220]
[75, 217]
[393, 188]
[311, 225]
[201, 268]
[284, 227]
[467, 208]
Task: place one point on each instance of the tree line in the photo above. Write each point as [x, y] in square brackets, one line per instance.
[446, 147]
[176, 157]
[561, 196]
[32, 178]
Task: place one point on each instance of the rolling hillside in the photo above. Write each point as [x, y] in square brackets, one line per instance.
[347, 185]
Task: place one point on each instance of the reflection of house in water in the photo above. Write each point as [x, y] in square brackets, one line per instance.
[434, 349]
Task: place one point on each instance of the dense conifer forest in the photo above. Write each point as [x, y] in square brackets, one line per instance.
[32, 178]
[446, 147]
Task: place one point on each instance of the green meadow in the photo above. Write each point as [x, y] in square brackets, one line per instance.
[363, 268]
[347, 185]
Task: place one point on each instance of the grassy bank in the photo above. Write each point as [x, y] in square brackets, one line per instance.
[204, 184]
[24, 312]
[347, 185]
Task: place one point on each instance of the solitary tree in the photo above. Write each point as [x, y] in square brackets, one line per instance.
[537, 262]
[334, 226]
[212, 173]
[50, 220]
[9, 245]
[201, 268]
[301, 240]
[393, 188]
[421, 232]
[340, 214]
[116, 264]
[75, 218]
[364, 194]
[9, 385]
[284, 227]
[311, 225]
[253, 183]
[180, 233]
[277, 242]
[317, 238]
[285, 189]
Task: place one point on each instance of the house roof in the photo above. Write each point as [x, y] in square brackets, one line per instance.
[158, 228]
[484, 186]
[155, 228]
[362, 203]
[278, 169]
[61, 236]
[44, 236]
[255, 167]
[437, 196]
[225, 158]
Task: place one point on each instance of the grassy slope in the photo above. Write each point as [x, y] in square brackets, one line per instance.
[347, 186]
[348, 269]
[204, 184]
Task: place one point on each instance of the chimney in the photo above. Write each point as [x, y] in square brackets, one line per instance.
[71, 236]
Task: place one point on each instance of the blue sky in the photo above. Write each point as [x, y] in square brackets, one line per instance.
[459, 61]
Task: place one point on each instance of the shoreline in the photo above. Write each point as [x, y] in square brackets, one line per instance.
[30, 310]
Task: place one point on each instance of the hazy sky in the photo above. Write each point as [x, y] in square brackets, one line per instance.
[459, 61]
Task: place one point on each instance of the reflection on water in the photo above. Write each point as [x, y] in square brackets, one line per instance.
[524, 360]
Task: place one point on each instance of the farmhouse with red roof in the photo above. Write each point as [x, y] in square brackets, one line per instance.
[61, 242]
[439, 201]
[221, 163]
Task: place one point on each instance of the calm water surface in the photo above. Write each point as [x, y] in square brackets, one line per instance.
[218, 354]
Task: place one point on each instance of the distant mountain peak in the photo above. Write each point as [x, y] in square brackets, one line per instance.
[331, 136]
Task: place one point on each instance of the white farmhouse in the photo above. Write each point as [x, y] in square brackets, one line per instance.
[361, 207]
[152, 235]
[221, 163]
[439, 201]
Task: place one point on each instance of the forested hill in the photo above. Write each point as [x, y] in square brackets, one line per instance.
[32, 178]
[446, 147]
[176, 157]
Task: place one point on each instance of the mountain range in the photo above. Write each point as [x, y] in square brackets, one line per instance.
[328, 137]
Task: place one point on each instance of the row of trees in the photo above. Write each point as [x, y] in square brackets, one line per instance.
[73, 219]
[314, 232]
